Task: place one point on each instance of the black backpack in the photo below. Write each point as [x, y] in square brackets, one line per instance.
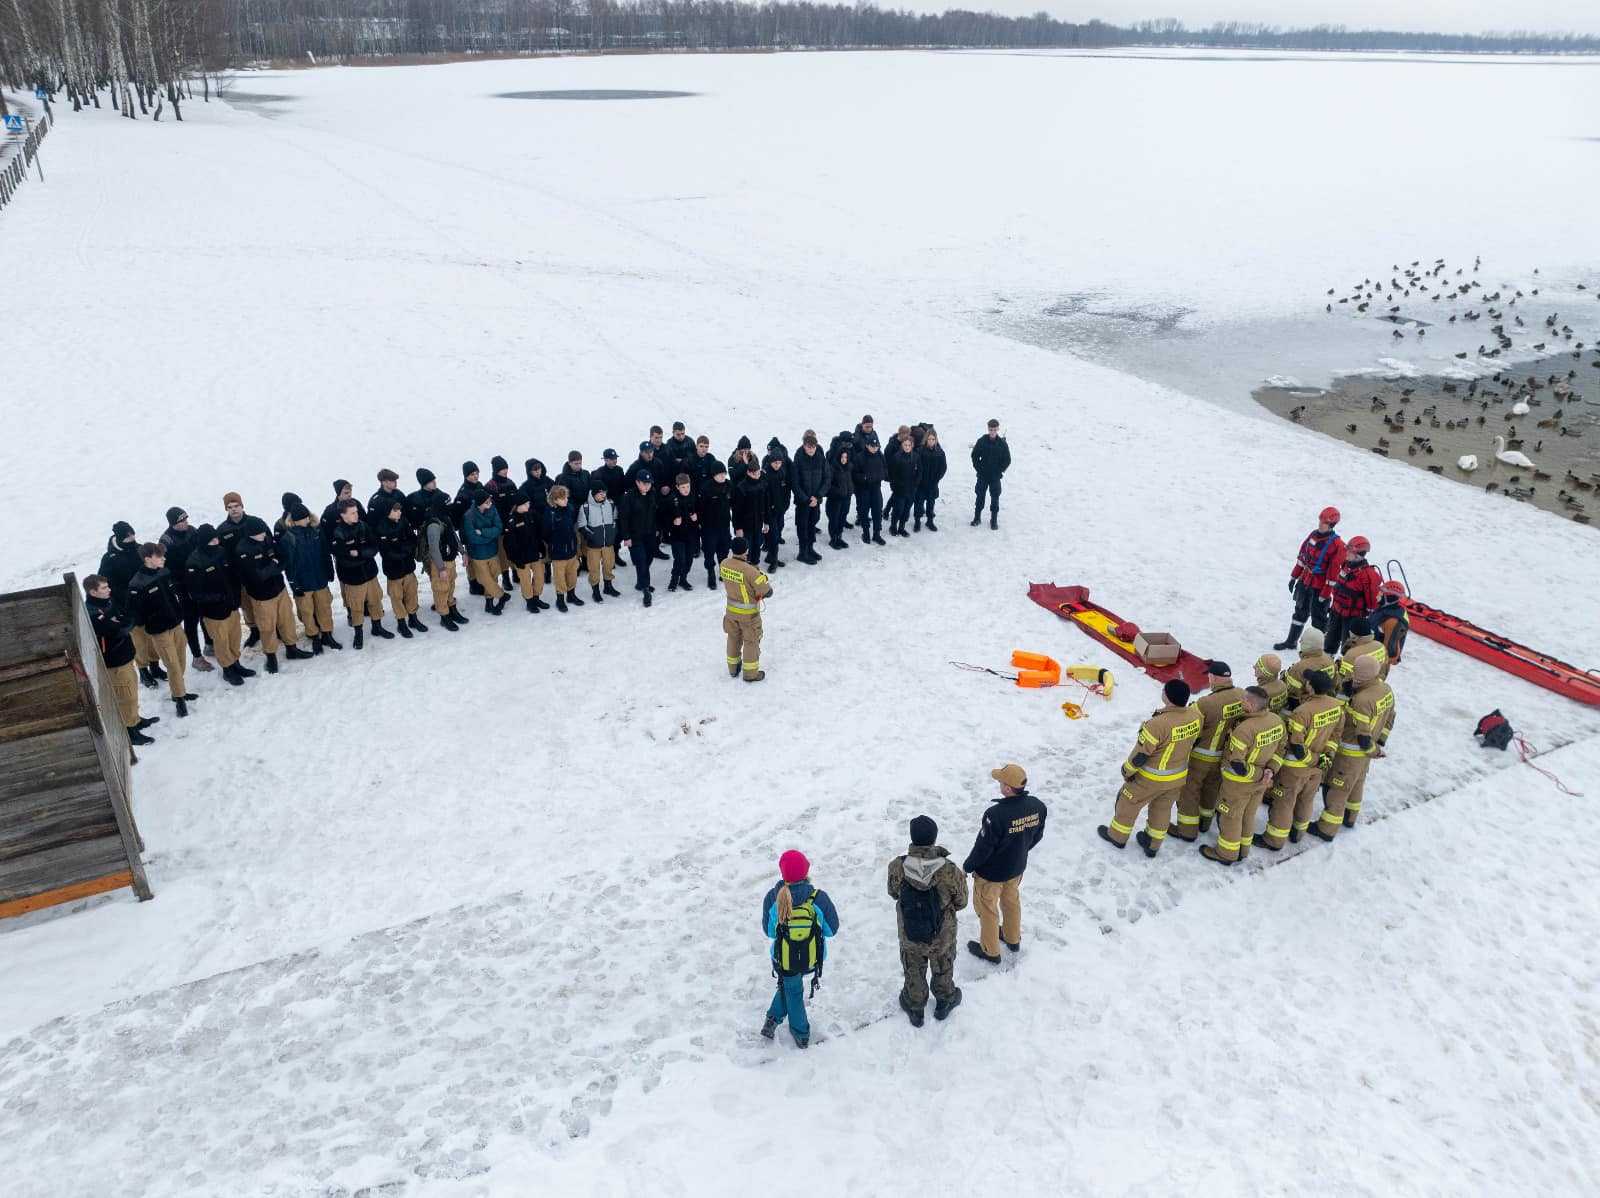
[922, 912]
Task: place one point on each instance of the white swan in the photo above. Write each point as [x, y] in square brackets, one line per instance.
[1511, 457]
[1468, 463]
[1520, 408]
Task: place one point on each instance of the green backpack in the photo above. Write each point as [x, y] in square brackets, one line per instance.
[798, 948]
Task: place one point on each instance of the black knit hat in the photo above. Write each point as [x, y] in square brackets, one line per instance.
[122, 530]
[598, 487]
[468, 469]
[424, 476]
[339, 484]
[924, 831]
[498, 463]
[1177, 692]
[744, 443]
[299, 512]
[174, 514]
[290, 499]
[206, 533]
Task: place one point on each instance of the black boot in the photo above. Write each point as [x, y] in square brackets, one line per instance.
[238, 668]
[1261, 842]
[943, 1007]
[146, 677]
[359, 639]
[147, 721]
[1293, 639]
[403, 629]
[135, 737]
[711, 579]
[769, 1028]
[382, 633]
[532, 607]
[672, 583]
[156, 672]
[474, 587]
[1150, 847]
[327, 642]
[272, 663]
[916, 524]
[455, 614]
[932, 527]
[977, 516]
[594, 593]
[976, 949]
[561, 602]
[994, 520]
[1104, 833]
[573, 600]
[448, 621]
[416, 624]
[183, 710]
[495, 606]
[540, 604]
[866, 537]
[912, 1013]
[231, 675]
[254, 639]
[488, 605]
[316, 646]
[647, 598]
[296, 653]
[610, 590]
[878, 540]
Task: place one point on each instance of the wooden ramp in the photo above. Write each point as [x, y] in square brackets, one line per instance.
[66, 819]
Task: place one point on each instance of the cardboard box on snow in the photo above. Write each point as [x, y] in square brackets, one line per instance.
[1157, 648]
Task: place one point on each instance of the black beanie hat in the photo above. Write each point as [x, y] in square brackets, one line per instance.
[924, 831]
[1360, 626]
[299, 511]
[290, 500]
[744, 443]
[1218, 669]
[206, 533]
[424, 476]
[498, 463]
[122, 530]
[1177, 692]
[174, 514]
[339, 484]
[468, 468]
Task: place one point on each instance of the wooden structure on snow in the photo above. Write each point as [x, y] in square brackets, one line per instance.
[66, 817]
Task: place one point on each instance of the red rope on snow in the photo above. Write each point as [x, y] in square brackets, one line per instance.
[1527, 752]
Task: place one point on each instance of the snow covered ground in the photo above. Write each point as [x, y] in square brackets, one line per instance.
[480, 916]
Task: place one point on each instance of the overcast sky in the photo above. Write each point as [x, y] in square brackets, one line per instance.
[1473, 16]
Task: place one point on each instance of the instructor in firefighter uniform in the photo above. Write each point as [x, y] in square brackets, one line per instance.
[745, 586]
[1368, 718]
[1155, 771]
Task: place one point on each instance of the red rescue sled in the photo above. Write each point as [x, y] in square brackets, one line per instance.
[1072, 604]
[1539, 668]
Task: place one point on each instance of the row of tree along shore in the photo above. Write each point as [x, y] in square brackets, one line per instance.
[151, 54]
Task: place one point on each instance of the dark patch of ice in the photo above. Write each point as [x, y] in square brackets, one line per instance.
[594, 93]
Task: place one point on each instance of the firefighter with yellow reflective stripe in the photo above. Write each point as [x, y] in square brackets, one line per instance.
[1269, 677]
[1313, 660]
[1368, 719]
[1154, 772]
[1248, 768]
[1361, 644]
[1313, 731]
[1219, 709]
[745, 586]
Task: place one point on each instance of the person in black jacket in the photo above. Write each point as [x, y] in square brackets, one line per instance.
[1012, 826]
[179, 542]
[682, 520]
[991, 458]
[810, 475]
[154, 605]
[739, 461]
[355, 553]
[576, 480]
[113, 629]
[397, 551]
[561, 543]
[235, 525]
[930, 469]
[611, 476]
[841, 486]
[466, 495]
[868, 473]
[777, 480]
[261, 575]
[419, 504]
[308, 568]
[388, 492]
[119, 563]
[636, 529]
[211, 582]
[750, 509]
[713, 506]
[677, 450]
[701, 463]
[858, 439]
[902, 472]
[524, 546]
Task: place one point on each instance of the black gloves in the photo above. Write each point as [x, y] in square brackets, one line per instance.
[1365, 742]
[1237, 769]
[1291, 586]
[1296, 752]
[1139, 759]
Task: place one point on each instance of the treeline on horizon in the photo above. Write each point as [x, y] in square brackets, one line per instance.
[137, 50]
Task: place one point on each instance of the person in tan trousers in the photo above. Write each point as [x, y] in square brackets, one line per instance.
[744, 587]
[1247, 770]
[1313, 725]
[1368, 720]
[1155, 770]
[1012, 826]
[1223, 705]
[153, 602]
[1313, 660]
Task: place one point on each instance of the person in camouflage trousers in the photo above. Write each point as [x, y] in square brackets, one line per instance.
[928, 889]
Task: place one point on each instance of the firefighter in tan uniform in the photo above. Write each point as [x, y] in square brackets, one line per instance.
[745, 586]
[1313, 733]
[1154, 772]
[1362, 644]
[1313, 660]
[1269, 677]
[1218, 710]
[1248, 765]
[1368, 719]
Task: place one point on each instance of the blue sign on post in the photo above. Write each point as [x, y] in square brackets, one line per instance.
[40, 94]
[15, 124]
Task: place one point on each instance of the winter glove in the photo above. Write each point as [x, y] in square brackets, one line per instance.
[1139, 759]
[1291, 586]
[1296, 752]
[1237, 769]
[1364, 741]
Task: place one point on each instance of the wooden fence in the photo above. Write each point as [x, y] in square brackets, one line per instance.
[66, 816]
[16, 169]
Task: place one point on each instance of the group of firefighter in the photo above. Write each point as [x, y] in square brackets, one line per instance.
[1293, 735]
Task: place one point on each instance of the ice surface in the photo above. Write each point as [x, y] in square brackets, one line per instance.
[440, 907]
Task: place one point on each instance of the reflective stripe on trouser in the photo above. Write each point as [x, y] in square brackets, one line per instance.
[1236, 816]
[143, 651]
[564, 575]
[602, 563]
[999, 906]
[486, 573]
[363, 602]
[402, 595]
[315, 609]
[1345, 782]
[443, 583]
[125, 689]
[275, 622]
[744, 640]
[1293, 796]
[225, 638]
[916, 960]
[173, 652]
[1139, 793]
[1199, 795]
[530, 578]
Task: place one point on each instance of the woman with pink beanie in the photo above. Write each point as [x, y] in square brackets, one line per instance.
[798, 918]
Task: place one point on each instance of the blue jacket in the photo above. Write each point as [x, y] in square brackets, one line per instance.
[482, 532]
[827, 917]
[305, 558]
[561, 532]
